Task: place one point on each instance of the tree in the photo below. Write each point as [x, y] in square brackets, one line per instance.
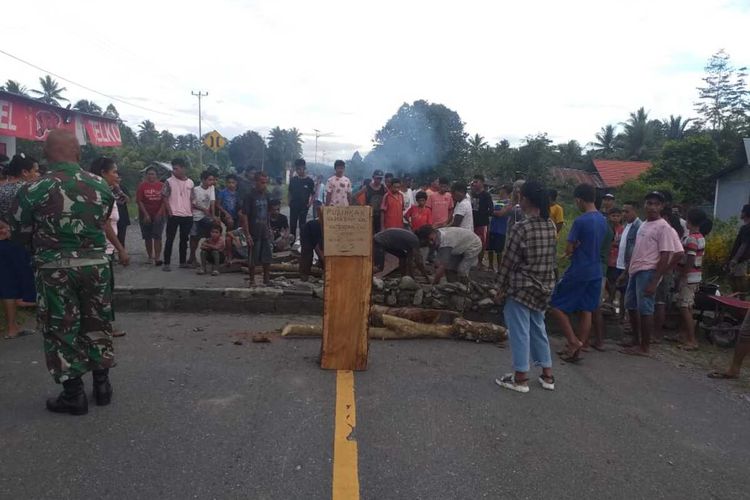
[606, 142]
[89, 107]
[477, 145]
[111, 112]
[688, 164]
[356, 169]
[421, 136]
[284, 146]
[571, 154]
[248, 149]
[186, 142]
[724, 99]
[536, 156]
[14, 87]
[147, 133]
[51, 92]
[675, 127]
[640, 136]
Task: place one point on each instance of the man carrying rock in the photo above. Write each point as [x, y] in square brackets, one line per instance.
[67, 211]
[400, 243]
[457, 249]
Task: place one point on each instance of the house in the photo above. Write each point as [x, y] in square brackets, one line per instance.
[732, 188]
[614, 173]
[575, 176]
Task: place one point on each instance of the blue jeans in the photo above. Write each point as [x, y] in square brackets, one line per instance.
[635, 299]
[528, 336]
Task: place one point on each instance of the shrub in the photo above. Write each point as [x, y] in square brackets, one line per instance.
[718, 245]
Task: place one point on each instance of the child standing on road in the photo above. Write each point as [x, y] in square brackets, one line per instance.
[690, 275]
[212, 251]
[419, 215]
[615, 223]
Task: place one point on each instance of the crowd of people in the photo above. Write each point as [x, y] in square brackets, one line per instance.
[74, 222]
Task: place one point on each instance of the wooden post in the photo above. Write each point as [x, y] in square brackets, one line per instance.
[347, 234]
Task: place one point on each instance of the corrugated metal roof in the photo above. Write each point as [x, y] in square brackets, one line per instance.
[576, 176]
[614, 173]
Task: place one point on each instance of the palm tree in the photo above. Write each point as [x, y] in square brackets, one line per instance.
[477, 144]
[51, 92]
[89, 107]
[147, 133]
[606, 141]
[639, 135]
[14, 87]
[675, 127]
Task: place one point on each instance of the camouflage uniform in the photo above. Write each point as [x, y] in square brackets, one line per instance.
[67, 210]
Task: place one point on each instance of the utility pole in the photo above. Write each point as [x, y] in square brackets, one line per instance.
[317, 134]
[200, 95]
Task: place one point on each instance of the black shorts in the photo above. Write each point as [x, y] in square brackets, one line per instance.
[497, 243]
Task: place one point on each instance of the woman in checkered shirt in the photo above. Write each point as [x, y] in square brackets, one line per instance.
[526, 279]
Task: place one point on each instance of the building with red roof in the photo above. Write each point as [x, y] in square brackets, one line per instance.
[614, 173]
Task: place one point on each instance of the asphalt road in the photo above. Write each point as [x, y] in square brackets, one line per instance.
[196, 416]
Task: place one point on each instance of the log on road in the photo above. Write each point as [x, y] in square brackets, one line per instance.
[430, 316]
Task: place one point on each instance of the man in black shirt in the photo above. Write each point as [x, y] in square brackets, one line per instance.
[374, 193]
[481, 208]
[254, 220]
[738, 257]
[279, 227]
[301, 190]
[311, 239]
[401, 243]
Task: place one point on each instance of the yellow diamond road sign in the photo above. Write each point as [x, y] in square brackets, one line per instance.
[214, 141]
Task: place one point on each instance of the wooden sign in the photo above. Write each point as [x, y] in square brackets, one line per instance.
[347, 233]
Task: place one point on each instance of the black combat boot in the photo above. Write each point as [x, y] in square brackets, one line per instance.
[71, 400]
[102, 387]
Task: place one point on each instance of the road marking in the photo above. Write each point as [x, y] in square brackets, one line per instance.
[345, 469]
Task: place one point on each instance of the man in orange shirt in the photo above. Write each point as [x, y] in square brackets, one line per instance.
[441, 204]
[392, 208]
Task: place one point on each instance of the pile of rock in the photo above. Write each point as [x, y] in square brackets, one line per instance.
[460, 297]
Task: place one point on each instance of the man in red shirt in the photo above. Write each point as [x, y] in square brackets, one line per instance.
[151, 214]
[392, 208]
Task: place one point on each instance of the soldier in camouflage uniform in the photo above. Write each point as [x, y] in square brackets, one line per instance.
[67, 211]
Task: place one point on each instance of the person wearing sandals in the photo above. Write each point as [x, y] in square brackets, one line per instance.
[580, 289]
[16, 274]
[526, 278]
[106, 168]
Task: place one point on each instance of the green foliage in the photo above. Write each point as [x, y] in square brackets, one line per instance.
[51, 92]
[637, 189]
[248, 149]
[535, 157]
[725, 99]
[284, 146]
[718, 246]
[688, 164]
[14, 87]
[641, 137]
[607, 142]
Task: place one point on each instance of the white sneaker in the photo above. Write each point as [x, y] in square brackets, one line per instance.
[508, 381]
[547, 385]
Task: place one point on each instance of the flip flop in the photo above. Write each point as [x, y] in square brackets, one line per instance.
[598, 348]
[22, 333]
[571, 358]
[722, 376]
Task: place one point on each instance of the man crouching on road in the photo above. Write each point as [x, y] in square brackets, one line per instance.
[457, 250]
[67, 211]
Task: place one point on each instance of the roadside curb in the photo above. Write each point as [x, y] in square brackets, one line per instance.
[235, 300]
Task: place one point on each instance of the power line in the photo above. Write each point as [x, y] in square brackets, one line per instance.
[83, 86]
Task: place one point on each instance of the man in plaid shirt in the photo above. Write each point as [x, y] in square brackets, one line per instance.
[526, 277]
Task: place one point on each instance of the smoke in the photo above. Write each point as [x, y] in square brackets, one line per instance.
[419, 138]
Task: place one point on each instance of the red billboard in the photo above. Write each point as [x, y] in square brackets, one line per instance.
[26, 118]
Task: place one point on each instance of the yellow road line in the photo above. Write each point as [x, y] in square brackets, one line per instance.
[345, 469]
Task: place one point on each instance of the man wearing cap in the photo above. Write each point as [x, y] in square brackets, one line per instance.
[374, 193]
[656, 250]
[608, 202]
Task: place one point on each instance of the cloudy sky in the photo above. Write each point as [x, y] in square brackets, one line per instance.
[345, 66]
